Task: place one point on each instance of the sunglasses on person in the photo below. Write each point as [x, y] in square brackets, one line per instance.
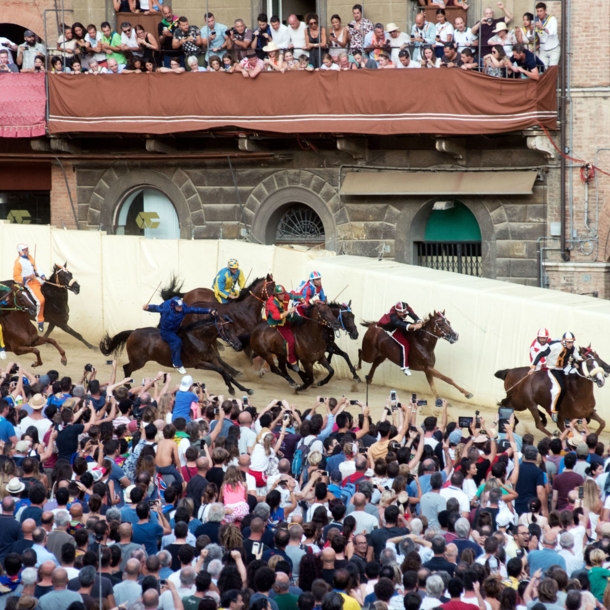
[313, 22]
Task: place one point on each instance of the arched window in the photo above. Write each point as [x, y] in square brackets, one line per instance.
[149, 213]
[452, 240]
[299, 224]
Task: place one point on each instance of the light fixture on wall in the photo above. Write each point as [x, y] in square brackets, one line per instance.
[442, 206]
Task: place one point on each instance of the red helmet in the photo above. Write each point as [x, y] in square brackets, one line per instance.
[401, 307]
[543, 332]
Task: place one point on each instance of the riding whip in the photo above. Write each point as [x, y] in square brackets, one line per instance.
[248, 276]
[335, 299]
[516, 384]
[153, 294]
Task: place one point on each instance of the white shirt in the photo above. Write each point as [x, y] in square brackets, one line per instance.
[444, 30]
[470, 488]
[507, 43]
[42, 425]
[297, 38]
[549, 41]
[313, 446]
[6, 44]
[473, 601]
[26, 266]
[259, 460]
[247, 438]
[281, 36]
[331, 67]
[462, 38]
[166, 601]
[94, 43]
[183, 445]
[347, 468]
[250, 482]
[364, 521]
[132, 42]
[455, 492]
[412, 64]
[396, 43]
[572, 563]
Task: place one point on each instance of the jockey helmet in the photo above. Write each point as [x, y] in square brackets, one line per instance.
[543, 332]
[279, 289]
[176, 302]
[233, 264]
[568, 336]
[21, 248]
[315, 275]
[401, 307]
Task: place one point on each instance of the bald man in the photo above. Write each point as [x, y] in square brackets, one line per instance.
[60, 598]
[129, 590]
[196, 486]
[45, 584]
[26, 542]
[328, 565]
[283, 598]
[150, 599]
[126, 545]
[76, 514]
[243, 463]
[364, 521]
[247, 436]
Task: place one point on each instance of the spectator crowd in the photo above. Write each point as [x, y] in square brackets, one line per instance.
[165, 496]
[491, 46]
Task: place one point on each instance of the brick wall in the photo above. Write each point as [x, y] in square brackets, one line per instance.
[61, 209]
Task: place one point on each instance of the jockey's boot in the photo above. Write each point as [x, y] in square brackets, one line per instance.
[40, 327]
[554, 416]
[2, 354]
[294, 367]
[406, 370]
[180, 369]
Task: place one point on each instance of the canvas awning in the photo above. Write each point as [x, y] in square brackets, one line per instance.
[443, 184]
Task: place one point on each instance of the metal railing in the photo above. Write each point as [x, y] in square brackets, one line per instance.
[457, 257]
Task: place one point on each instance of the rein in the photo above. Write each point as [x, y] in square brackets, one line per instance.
[263, 292]
[340, 318]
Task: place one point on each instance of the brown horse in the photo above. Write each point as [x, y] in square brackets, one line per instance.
[20, 335]
[347, 323]
[377, 346]
[310, 344]
[525, 391]
[199, 335]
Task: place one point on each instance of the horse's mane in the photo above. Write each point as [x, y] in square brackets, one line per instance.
[245, 292]
[335, 304]
[173, 289]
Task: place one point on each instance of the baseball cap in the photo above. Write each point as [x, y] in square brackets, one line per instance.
[504, 519]
[582, 450]
[186, 383]
[28, 33]
[336, 476]
[455, 438]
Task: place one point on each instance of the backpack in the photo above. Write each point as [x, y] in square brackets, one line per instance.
[347, 492]
[300, 460]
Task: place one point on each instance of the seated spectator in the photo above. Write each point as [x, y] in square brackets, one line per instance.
[290, 63]
[444, 32]
[135, 66]
[429, 59]
[95, 68]
[149, 67]
[451, 58]
[377, 42]
[250, 66]
[468, 62]
[524, 62]
[262, 36]
[496, 63]
[57, 66]
[463, 36]
[228, 65]
[215, 65]
[404, 60]
[39, 62]
[327, 63]
[29, 50]
[315, 39]
[385, 63]
[280, 33]
[193, 66]
[241, 38]
[503, 36]
[76, 67]
[338, 37]
[274, 62]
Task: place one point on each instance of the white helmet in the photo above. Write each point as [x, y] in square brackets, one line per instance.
[568, 336]
[543, 332]
[21, 247]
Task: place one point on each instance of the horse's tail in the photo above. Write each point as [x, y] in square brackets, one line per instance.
[173, 289]
[367, 324]
[502, 374]
[114, 345]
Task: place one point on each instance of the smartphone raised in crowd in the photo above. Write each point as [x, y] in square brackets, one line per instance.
[438, 402]
[393, 397]
[422, 403]
[353, 402]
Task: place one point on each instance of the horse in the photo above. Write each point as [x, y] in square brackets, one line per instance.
[525, 391]
[377, 346]
[17, 308]
[310, 344]
[198, 346]
[56, 309]
[347, 323]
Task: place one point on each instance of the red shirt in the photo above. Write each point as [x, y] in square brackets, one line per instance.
[456, 605]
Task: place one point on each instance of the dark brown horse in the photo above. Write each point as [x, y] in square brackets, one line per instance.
[20, 336]
[347, 323]
[199, 335]
[310, 344]
[378, 346]
[527, 392]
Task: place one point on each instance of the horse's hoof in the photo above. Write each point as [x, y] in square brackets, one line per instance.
[293, 385]
[469, 395]
[260, 374]
[249, 392]
[320, 383]
[232, 391]
[356, 378]
[238, 374]
[35, 364]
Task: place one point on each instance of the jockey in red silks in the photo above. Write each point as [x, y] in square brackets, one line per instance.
[395, 324]
[277, 311]
[539, 344]
[307, 291]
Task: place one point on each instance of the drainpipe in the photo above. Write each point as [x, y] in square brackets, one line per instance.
[565, 253]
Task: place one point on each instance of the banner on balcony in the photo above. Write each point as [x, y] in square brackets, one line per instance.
[22, 105]
[383, 102]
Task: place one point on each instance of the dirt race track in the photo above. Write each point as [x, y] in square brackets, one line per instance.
[267, 388]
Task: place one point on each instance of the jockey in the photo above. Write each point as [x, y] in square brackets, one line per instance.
[308, 290]
[229, 282]
[276, 311]
[172, 313]
[560, 356]
[25, 273]
[395, 324]
[539, 343]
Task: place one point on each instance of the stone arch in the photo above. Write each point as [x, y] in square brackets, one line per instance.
[268, 200]
[30, 17]
[411, 226]
[117, 183]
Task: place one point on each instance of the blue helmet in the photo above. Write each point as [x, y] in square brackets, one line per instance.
[176, 302]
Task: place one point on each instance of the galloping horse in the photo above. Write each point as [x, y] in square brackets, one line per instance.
[377, 346]
[198, 346]
[17, 309]
[347, 323]
[310, 344]
[525, 391]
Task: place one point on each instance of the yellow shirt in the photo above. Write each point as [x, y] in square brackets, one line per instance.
[349, 603]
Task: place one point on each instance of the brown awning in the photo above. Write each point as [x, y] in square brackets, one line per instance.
[438, 183]
[380, 102]
[25, 176]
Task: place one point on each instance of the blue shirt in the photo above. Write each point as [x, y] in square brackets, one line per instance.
[170, 318]
[116, 474]
[6, 429]
[146, 534]
[544, 559]
[182, 405]
[218, 41]
[128, 515]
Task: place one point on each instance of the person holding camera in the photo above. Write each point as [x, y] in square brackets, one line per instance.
[29, 50]
[215, 37]
[485, 28]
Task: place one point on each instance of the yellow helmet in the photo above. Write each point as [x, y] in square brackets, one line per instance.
[233, 264]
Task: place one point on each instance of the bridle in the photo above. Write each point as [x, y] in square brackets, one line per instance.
[220, 322]
[437, 329]
[17, 307]
[264, 293]
[341, 322]
[590, 375]
[319, 319]
[56, 273]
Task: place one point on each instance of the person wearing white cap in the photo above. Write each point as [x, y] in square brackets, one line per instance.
[503, 36]
[398, 41]
[25, 273]
[185, 397]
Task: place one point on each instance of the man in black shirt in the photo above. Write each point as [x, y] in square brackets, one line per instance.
[438, 563]
[196, 486]
[526, 63]
[379, 537]
[10, 528]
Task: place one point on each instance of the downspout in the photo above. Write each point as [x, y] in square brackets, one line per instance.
[565, 253]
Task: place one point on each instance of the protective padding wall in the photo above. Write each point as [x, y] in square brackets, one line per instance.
[496, 321]
[118, 274]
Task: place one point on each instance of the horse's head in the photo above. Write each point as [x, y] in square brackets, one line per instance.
[323, 314]
[227, 333]
[440, 327]
[23, 300]
[65, 278]
[347, 320]
[261, 288]
[593, 367]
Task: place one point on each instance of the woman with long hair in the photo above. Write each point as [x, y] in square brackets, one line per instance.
[230, 536]
[166, 405]
[31, 472]
[234, 495]
[7, 472]
[210, 496]
[429, 59]
[496, 62]
[263, 459]
[310, 531]
[315, 39]
[310, 569]
[338, 39]
[534, 515]
[592, 507]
